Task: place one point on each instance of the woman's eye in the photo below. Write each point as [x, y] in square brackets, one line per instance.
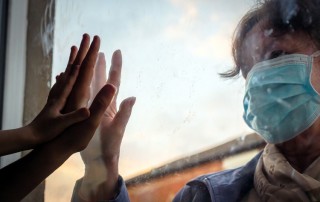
[277, 53]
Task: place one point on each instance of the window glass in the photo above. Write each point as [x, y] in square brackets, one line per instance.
[172, 53]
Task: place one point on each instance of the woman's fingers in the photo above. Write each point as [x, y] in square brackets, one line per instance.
[115, 69]
[99, 78]
[114, 76]
[122, 117]
[112, 132]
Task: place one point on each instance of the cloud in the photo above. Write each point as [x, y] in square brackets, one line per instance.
[189, 12]
[204, 34]
[217, 46]
[189, 7]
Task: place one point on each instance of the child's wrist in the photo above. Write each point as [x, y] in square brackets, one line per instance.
[31, 135]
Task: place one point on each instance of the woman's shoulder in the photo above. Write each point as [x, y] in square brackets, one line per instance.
[237, 181]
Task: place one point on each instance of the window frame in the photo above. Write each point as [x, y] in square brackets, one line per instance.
[4, 6]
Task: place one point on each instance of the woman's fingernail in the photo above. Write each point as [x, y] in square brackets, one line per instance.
[132, 100]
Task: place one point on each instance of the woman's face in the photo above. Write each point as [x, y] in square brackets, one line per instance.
[261, 45]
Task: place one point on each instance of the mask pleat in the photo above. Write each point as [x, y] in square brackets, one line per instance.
[274, 92]
[275, 113]
[291, 74]
[279, 101]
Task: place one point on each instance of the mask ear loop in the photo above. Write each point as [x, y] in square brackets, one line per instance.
[313, 55]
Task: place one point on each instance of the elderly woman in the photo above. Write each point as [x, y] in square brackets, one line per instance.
[276, 48]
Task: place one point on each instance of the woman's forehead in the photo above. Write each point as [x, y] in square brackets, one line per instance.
[262, 39]
[256, 42]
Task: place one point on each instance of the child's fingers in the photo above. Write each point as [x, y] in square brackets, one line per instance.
[101, 103]
[73, 54]
[59, 77]
[83, 49]
[63, 86]
[54, 91]
[86, 72]
[76, 56]
[66, 87]
[72, 57]
[73, 117]
[80, 94]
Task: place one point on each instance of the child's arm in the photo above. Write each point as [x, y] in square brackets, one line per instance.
[22, 176]
[50, 122]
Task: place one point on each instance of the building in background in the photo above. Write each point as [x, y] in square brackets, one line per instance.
[161, 184]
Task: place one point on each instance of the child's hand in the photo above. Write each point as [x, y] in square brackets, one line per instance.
[47, 157]
[51, 122]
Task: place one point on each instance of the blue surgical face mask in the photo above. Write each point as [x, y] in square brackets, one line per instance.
[279, 101]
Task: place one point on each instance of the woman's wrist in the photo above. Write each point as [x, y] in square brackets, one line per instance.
[100, 173]
[95, 174]
[95, 171]
[110, 186]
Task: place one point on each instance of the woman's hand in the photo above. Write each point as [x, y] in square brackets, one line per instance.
[102, 154]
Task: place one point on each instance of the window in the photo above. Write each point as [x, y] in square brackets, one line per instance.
[3, 38]
[173, 51]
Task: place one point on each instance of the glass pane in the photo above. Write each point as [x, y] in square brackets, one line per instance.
[173, 51]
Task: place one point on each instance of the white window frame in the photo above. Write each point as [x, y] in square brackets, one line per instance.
[15, 71]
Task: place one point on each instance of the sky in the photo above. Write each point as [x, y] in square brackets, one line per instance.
[173, 51]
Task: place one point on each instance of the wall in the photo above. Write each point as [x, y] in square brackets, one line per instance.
[164, 189]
